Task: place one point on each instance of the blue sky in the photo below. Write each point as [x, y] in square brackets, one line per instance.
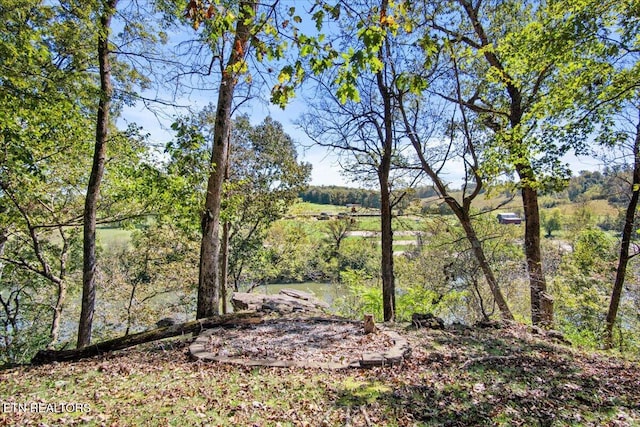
[326, 170]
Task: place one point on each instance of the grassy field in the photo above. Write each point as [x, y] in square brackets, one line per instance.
[456, 377]
[113, 238]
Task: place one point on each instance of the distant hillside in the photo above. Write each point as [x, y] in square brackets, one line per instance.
[602, 192]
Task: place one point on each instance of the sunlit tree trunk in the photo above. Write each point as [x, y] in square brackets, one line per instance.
[541, 302]
[224, 265]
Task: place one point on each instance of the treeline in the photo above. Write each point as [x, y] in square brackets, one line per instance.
[587, 185]
[341, 196]
[595, 185]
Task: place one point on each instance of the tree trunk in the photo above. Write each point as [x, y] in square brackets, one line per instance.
[384, 171]
[224, 265]
[49, 356]
[3, 241]
[97, 170]
[478, 252]
[369, 324]
[209, 277]
[62, 292]
[388, 279]
[541, 302]
[627, 232]
[224, 255]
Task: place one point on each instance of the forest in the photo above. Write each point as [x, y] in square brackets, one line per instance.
[103, 232]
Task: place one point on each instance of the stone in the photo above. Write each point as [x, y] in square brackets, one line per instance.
[201, 349]
[426, 320]
[298, 294]
[285, 302]
[167, 321]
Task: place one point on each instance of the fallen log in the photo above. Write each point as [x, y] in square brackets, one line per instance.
[49, 356]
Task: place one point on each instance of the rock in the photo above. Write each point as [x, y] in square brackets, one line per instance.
[426, 320]
[298, 294]
[558, 336]
[278, 307]
[287, 301]
[167, 321]
[247, 301]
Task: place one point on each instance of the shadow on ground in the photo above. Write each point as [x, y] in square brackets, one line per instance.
[496, 377]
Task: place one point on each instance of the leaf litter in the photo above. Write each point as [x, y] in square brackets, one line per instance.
[455, 377]
[297, 340]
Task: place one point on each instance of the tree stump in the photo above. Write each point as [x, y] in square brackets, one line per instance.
[546, 302]
[369, 324]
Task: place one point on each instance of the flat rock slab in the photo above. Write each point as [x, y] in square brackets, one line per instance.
[323, 343]
[285, 302]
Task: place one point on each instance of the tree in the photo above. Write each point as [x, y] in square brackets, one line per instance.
[627, 234]
[519, 82]
[609, 103]
[50, 91]
[401, 65]
[43, 132]
[615, 104]
[350, 120]
[97, 171]
[551, 222]
[264, 180]
[136, 31]
[337, 230]
[209, 278]
[418, 77]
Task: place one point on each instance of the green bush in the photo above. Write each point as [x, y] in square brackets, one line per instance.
[362, 295]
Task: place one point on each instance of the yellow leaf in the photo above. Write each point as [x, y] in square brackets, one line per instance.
[387, 20]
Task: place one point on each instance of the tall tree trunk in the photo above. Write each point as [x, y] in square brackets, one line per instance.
[627, 232]
[224, 255]
[479, 254]
[384, 171]
[541, 302]
[97, 170]
[388, 278]
[3, 240]
[209, 277]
